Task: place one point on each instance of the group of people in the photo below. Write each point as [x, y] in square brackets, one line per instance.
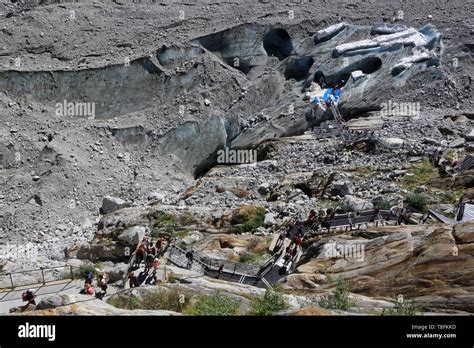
[323, 219]
[145, 251]
[150, 255]
[295, 242]
[100, 290]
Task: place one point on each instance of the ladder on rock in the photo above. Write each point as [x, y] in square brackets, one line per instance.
[344, 131]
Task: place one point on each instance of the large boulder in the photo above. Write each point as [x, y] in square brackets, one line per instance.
[114, 271]
[111, 204]
[51, 301]
[86, 305]
[269, 219]
[103, 250]
[431, 264]
[133, 235]
[470, 136]
[354, 204]
[340, 188]
[192, 237]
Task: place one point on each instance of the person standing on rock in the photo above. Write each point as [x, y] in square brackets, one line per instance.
[311, 218]
[102, 284]
[150, 257]
[281, 239]
[133, 280]
[29, 296]
[189, 256]
[298, 241]
[159, 245]
[89, 276]
[156, 264]
[220, 271]
[88, 290]
[140, 253]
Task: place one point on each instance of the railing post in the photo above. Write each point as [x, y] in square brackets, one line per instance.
[42, 274]
[70, 270]
[11, 280]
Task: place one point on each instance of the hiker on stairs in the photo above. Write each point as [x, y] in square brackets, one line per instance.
[156, 264]
[149, 260]
[102, 285]
[189, 256]
[133, 280]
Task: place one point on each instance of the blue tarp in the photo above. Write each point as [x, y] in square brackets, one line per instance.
[327, 95]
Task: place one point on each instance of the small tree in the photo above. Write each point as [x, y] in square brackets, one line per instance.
[418, 202]
[406, 307]
[212, 305]
[339, 299]
[272, 302]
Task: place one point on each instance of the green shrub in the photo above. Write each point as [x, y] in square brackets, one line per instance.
[164, 219]
[384, 205]
[169, 299]
[125, 301]
[450, 197]
[269, 304]
[78, 273]
[249, 257]
[339, 299]
[172, 278]
[164, 299]
[212, 305]
[186, 219]
[329, 278]
[421, 174]
[418, 202]
[253, 217]
[155, 233]
[402, 308]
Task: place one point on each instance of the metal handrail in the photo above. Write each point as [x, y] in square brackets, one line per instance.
[37, 269]
[41, 269]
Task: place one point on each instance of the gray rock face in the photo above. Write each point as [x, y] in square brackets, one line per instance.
[354, 204]
[52, 301]
[470, 136]
[114, 271]
[155, 196]
[340, 188]
[269, 219]
[111, 204]
[192, 237]
[457, 143]
[133, 235]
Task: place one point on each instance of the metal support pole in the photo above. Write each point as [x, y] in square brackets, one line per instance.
[42, 274]
[11, 279]
[70, 271]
